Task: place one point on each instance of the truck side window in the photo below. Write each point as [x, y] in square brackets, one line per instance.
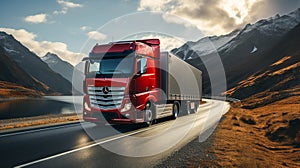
[94, 66]
[142, 65]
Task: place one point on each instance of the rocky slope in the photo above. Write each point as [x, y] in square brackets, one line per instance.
[33, 65]
[278, 80]
[12, 73]
[64, 68]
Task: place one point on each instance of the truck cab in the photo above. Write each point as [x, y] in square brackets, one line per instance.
[121, 80]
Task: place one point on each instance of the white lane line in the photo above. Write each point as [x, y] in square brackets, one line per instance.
[78, 149]
[41, 129]
[88, 146]
[70, 125]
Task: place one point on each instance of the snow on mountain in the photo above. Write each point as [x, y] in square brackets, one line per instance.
[254, 50]
[59, 66]
[10, 50]
[276, 25]
[206, 45]
[50, 58]
[274, 28]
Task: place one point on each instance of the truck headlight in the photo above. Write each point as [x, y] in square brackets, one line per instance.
[126, 107]
[86, 106]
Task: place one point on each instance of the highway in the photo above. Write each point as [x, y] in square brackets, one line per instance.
[87, 145]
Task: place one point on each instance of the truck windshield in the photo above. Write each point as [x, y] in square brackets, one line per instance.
[111, 67]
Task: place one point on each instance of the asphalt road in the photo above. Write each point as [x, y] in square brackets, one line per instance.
[87, 145]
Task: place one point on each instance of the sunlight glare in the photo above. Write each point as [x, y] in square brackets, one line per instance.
[238, 9]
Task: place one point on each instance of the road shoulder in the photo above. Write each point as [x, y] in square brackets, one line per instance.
[20, 124]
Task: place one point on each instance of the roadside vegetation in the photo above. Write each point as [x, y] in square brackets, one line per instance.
[38, 121]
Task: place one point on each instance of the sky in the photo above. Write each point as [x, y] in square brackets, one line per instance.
[70, 28]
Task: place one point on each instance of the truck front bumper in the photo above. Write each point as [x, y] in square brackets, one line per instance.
[112, 121]
[113, 117]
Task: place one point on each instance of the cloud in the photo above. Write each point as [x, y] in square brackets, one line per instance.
[65, 6]
[96, 35]
[211, 17]
[28, 39]
[69, 4]
[156, 5]
[167, 43]
[268, 8]
[38, 18]
[84, 28]
[41, 18]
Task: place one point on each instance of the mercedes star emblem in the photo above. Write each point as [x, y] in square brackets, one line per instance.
[105, 89]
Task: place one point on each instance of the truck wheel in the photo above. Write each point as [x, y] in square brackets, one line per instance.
[196, 106]
[149, 113]
[188, 107]
[175, 111]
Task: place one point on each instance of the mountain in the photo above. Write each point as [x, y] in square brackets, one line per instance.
[33, 65]
[204, 46]
[244, 54]
[13, 76]
[64, 68]
[276, 81]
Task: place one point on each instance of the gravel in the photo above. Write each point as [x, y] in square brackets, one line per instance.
[194, 154]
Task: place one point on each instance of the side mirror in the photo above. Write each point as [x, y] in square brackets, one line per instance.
[142, 66]
[86, 68]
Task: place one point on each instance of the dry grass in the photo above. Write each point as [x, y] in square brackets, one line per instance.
[262, 137]
[284, 59]
[250, 81]
[40, 120]
[281, 71]
[12, 90]
[8, 89]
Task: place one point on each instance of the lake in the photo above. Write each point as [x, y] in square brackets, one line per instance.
[29, 107]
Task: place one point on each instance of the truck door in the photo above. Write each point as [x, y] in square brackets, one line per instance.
[140, 83]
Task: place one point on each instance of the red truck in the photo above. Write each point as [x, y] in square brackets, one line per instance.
[133, 82]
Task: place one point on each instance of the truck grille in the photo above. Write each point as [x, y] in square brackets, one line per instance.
[106, 100]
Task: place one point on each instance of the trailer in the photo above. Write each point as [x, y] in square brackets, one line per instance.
[181, 81]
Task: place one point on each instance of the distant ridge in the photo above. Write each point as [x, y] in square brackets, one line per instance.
[64, 68]
[33, 65]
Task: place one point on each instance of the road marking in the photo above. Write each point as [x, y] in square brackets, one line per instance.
[70, 125]
[41, 129]
[88, 146]
[81, 148]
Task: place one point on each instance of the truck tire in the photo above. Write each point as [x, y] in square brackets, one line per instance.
[187, 107]
[149, 114]
[196, 106]
[175, 111]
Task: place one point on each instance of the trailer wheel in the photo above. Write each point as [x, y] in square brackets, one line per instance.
[188, 109]
[175, 111]
[196, 106]
[149, 113]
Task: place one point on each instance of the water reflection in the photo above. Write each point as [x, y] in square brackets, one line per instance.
[19, 108]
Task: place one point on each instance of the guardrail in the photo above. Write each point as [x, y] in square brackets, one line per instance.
[223, 98]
